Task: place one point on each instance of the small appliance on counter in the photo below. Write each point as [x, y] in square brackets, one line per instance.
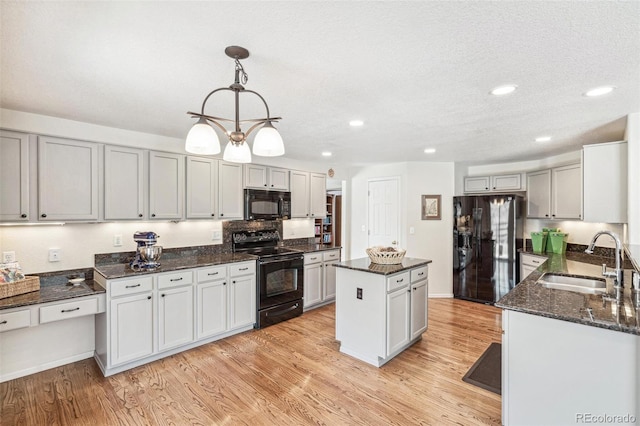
[147, 253]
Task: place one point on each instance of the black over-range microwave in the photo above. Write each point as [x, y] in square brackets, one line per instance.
[267, 205]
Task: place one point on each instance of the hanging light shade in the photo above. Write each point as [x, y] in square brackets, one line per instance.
[202, 138]
[268, 142]
[237, 153]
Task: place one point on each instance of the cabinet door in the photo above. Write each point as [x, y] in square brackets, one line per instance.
[230, 191]
[211, 308]
[242, 301]
[539, 194]
[476, 184]
[566, 184]
[312, 284]
[131, 328]
[166, 185]
[526, 270]
[202, 183]
[506, 183]
[123, 183]
[255, 176]
[279, 179]
[605, 182]
[329, 281]
[318, 195]
[175, 317]
[67, 179]
[299, 194]
[14, 176]
[419, 309]
[398, 325]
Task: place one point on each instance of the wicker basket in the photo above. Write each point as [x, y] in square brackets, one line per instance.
[27, 285]
[385, 257]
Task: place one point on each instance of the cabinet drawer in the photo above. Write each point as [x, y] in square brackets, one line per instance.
[331, 255]
[68, 310]
[211, 274]
[398, 281]
[13, 320]
[532, 260]
[419, 274]
[131, 286]
[314, 257]
[246, 268]
[175, 279]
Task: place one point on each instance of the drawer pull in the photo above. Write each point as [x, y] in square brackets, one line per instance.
[176, 279]
[535, 261]
[313, 258]
[132, 286]
[420, 274]
[400, 280]
[212, 273]
[3, 322]
[70, 310]
[243, 269]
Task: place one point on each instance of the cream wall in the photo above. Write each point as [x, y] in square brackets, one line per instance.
[432, 239]
[632, 136]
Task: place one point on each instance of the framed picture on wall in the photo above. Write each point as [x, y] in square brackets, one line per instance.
[431, 209]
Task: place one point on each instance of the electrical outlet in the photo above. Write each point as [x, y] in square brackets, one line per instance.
[8, 256]
[55, 255]
[216, 235]
[117, 240]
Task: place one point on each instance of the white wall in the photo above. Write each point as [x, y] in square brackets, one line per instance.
[432, 238]
[632, 136]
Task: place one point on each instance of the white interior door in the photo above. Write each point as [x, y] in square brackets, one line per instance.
[383, 211]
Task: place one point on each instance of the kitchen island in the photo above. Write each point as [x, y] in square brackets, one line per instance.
[568, 358]
[380, 309]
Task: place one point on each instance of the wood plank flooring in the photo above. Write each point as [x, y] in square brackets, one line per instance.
[288, 374]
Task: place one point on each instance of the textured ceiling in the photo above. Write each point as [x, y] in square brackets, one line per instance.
[417, 73]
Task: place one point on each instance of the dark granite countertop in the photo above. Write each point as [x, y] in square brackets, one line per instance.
[122, 270]
[309, 248]
[52, 293]
[532, 298]
[364, 264]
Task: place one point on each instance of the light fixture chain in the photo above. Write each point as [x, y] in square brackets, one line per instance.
[245, 76]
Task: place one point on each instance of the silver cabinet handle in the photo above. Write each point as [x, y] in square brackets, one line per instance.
[70, 310]
[132, 286]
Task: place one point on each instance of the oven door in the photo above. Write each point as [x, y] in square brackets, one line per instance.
[280, 281]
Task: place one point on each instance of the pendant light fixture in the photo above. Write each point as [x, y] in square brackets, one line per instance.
[202, 138]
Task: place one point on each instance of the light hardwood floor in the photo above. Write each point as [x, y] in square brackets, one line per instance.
[290, 373]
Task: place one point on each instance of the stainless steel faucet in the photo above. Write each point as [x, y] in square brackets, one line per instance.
[618, 274]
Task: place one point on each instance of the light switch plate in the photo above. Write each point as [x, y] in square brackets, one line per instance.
[55, 255]
[8, 256]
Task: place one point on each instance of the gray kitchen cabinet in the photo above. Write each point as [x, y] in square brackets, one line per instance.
[476, 183]
[511, 182]
[242, 295]
[212, 301]
[68, 173]
[175, 309]
[406, 308]
[264, 177]
[320, 278]
[419, 295]
[555, 193]
[14, 177]
[529, 263]
[230, 193]
[202, 188]
[166, 185]
[124, 183]
[605, 182]
[308, 194]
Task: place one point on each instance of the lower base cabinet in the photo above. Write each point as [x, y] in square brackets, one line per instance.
[320, 278]
[152, 316]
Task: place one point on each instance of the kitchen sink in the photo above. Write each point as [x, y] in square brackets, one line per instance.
[580, 284]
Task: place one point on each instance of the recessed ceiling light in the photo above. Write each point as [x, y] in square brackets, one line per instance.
[504, 90]
[326, 154]
[599, 91]
[543, 139]
[356, 123]
[429, 150]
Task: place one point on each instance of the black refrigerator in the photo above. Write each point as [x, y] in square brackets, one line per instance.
[487, 234]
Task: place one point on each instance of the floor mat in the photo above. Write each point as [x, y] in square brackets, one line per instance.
[487, 370]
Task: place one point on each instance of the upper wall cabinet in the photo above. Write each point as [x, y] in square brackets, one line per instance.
[124, 183]
[555, 193]
[166, 185]
[308, 194]
[230, 194]
[263, 177]
[605, 182]
[67, 179]
[493, 183]
[202, 188]
[14, 176]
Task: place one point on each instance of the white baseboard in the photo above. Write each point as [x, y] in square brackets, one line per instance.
[46, 366]
[440, 295]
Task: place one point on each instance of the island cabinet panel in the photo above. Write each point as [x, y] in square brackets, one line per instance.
[557, 372]
[378, 316]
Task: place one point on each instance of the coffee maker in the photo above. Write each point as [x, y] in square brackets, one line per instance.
[147, 253]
